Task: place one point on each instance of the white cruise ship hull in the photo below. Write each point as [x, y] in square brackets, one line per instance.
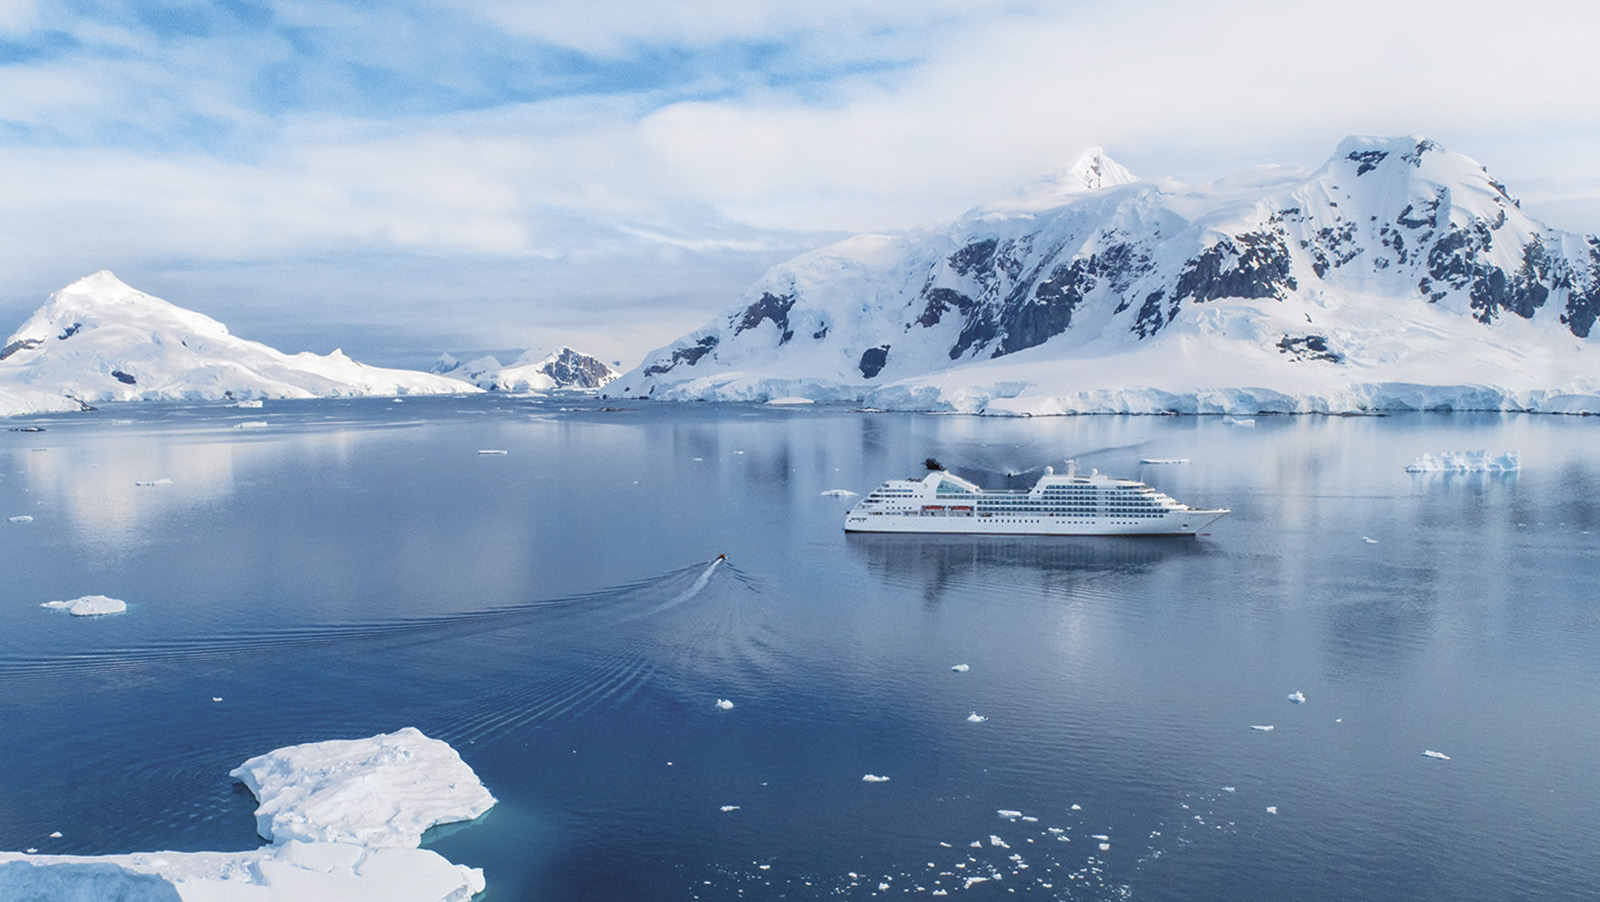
[999, 525]
[1065, 505]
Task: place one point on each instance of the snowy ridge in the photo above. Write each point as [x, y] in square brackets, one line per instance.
[100, 340]
[1397, 276]
[563, 370]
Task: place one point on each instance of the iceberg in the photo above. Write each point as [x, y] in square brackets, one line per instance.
[873, 778]
[88, 606]
[372, 797]
[1466, 462]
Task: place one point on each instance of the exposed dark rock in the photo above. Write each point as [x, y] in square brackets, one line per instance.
[1369, 160]
[1251, 265]
[770, 307]
[575, 370]
[688, 356]
[873, 360]
[1151, 316]
[979, 255]
[21, 344]
[1427, 217]
[69, 331]
[940, 300]
[1049, 313]
[1308, 347]
[124, 378]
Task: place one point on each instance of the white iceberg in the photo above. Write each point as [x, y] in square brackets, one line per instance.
[1297, 697]
[492, 452]
[874, 778]
[961, 668]
[1009, 814]
[373, 796]
[1439, 755]
[21, 519]
[975, 717]
[724, 705]
[378, 792]
[1263, 727]
[88, 606]
[1466, 462]
[837, 493]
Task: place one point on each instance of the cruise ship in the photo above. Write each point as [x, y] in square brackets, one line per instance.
[1058, 505]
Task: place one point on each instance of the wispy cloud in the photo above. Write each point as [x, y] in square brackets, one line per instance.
[639, 161]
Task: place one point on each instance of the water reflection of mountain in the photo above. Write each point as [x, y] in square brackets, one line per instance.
[937, 563]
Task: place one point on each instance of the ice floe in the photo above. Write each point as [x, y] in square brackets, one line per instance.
[1433, 754]
[728, 808]
[874, 778]
[385, 789]
[1297, 697]
[1466, 462]
[251, 424]
[837, 493]
[24, 518]
[1239, 421]
[961, 668]
[88, 606]
[1009, 814]
[1272, 809]
[975, 717]
[378, 792]
[492, 452]
[1369, 540]
[1263, 727]
[724, 705]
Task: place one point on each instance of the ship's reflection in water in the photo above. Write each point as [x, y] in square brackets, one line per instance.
[937, 564]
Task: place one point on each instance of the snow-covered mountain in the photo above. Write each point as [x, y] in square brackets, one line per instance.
[1398, 276]
[562, 370]
[100, 340]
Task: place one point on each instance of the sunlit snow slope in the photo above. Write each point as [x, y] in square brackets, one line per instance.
[99, 340]
[1398, 276]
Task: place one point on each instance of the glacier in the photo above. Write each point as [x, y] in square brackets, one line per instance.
[345, 817]
[1399, 276]
[100, 340]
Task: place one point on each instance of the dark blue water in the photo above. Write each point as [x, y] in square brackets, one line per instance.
[556, 614]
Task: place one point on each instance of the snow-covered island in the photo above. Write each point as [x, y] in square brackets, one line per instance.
[1398, 276]
[532, 371]
[100, 340]
[344, 816]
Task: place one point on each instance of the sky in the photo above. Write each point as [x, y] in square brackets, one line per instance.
[404, 177]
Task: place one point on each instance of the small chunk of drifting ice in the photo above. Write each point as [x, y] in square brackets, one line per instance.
[874, 778]
[961, 668]
[251, 424]
[997, 842]
[837, 493]
[88, 606]
[20, 519]
[724, 705]
[1297, 697]
[379, 792]
[975, 717]
[1466, 462]
[1433, 754]
[1263, 727]
[1272, 809]
[1008, 814]
[493, 452]
[728, 808]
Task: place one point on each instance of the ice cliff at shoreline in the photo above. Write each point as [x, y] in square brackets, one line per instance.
[345, 817]
[100, 340]
[1398, 276]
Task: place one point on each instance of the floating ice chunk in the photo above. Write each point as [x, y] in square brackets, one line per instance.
[961, 668]
[1076, 807]
[1433, 754]
[88, 606]
[1103, 837]
[1157, 461]
[247, 404]
[56, 835]
[1263, 727]
[976, 844]
[1105, 847]
[492, 452]
[1243, 421]
[724, 705]
[216, 698]
[24, 518]
[975, 717]
[1029, 819]
[1008, 814]
[728, 808]
[251, 424]
[1466, 462]
[1230, 789]
[874, 778]
[378, 792]
[1297, 697]
[1272, 809]
[1369, 540]
[837, 493]
[971, 881]
[997, 842]
[790, 402]
[154, 482]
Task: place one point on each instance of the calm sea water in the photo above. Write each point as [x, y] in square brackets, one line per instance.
[556, 613]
